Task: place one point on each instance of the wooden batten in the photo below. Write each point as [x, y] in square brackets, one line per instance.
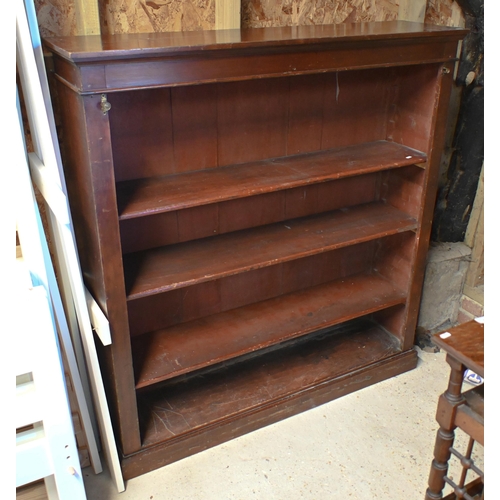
[474, 238]
[87, 17]
[227, 14]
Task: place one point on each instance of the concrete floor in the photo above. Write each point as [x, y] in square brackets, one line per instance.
[375, 443]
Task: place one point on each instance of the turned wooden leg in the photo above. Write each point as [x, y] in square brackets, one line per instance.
[445, 416]
[439, 467]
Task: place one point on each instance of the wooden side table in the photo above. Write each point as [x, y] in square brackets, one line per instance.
[464, 345]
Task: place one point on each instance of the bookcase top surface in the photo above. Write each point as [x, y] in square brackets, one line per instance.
[81, 49]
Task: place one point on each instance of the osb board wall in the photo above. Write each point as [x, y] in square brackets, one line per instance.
[143, 16]
[262, 13]
[58, 17]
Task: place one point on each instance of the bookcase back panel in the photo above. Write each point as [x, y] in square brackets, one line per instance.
[141, 133]
[194, 114]
[252, 119]
[305, 128]
[355, 107]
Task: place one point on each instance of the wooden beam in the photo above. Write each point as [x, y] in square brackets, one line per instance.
[87, 17]
[412, 10]
[227, 14]
[474, 238]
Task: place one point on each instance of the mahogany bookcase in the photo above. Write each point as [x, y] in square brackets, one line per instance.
[252, 211]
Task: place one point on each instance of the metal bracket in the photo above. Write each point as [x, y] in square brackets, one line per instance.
[105, 105]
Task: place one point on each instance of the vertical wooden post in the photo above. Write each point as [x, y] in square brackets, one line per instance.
[227, 14]
[474, 238]
[87, 17]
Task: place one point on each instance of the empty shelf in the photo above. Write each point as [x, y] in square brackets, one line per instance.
[190, 346]
[184, 264]
[142, 197]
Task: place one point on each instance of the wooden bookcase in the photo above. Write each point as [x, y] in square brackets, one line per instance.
[252, 214]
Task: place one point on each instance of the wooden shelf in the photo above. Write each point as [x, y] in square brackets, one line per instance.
[178, 408]
[190, 346]
[160, 270]
[150, 196]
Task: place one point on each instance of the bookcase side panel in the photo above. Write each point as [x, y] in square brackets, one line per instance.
[434, 144]
[412, 110]
[88, 165]
[119, 353]
[81, 195]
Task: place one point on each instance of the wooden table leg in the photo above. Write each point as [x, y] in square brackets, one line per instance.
[445, 416]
